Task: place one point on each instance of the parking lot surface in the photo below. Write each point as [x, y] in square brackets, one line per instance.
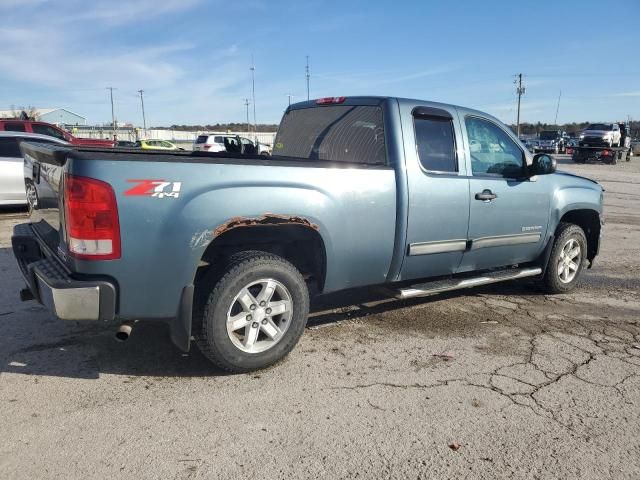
[496, 382]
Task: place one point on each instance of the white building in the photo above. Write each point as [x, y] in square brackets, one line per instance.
[50, 115]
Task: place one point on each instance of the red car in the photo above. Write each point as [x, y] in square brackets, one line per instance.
[44, 128]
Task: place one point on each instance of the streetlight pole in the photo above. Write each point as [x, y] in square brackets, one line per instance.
[246, 104]
[253, 99]
[113, 115]
[520, 91]
[308, 75]
[144, 119]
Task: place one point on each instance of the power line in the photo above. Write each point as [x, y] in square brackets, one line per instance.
[520, 89]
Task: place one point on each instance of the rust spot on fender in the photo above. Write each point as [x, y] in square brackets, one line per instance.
[265, 219]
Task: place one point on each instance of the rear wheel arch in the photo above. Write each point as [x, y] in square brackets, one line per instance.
[294, 240]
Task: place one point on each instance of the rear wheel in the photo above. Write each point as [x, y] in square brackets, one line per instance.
[254, 314]
[567, 259]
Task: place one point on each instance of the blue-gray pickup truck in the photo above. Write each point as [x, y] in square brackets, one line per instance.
[408, 196]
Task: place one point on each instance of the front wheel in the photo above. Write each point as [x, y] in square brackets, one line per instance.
[255, 313]
[567, 259]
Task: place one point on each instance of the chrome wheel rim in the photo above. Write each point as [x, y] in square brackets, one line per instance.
[259, 315]
[569, 262]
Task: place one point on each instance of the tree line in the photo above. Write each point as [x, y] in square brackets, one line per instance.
[571, 128]
[223, 127]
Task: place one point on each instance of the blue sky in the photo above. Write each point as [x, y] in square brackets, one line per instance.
[192, 57]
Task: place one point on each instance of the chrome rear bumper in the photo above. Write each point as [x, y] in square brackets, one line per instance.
[53, 286]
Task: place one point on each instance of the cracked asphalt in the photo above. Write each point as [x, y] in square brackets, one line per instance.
[495, 382]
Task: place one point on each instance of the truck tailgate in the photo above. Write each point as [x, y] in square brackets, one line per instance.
[43, 176]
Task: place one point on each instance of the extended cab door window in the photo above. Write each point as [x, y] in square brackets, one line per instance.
[9, 148]
[493, 152]
[436, 145]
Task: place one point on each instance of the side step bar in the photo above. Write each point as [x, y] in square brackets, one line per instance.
[430, 288]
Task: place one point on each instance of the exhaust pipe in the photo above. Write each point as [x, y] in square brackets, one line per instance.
[124, 331]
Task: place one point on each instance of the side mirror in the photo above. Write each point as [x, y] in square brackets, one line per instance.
[543, 164]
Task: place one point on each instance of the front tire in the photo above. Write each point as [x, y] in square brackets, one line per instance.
[567, 259]
[254, 314]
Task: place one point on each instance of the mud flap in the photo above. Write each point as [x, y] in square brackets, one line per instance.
[181, 325]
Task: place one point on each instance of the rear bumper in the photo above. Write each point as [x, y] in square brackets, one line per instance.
[54, 287]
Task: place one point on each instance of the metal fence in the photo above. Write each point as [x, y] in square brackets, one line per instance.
[176, 136]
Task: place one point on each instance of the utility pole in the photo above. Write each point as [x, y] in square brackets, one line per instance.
[113, 115]
[144, 119]
[246, 104]
[308, 75]
[520, 91]
[253, 99]
[555, 122]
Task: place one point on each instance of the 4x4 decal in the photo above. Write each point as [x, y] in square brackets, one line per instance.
[154, 188]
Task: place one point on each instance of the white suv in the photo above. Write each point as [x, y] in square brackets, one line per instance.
[216, 143]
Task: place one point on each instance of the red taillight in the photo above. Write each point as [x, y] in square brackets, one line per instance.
[330, 100]
[206, 147]
[91, 216]
[606, 153]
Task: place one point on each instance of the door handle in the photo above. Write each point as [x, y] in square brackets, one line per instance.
[486, 195]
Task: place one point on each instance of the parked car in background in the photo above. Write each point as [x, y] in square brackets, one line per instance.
[232, 246]
[43, 128]
[12, 183]
[635, 146]
[156, 145]
[225, 142]
[601, 135]
[551, 141]
[126, 144]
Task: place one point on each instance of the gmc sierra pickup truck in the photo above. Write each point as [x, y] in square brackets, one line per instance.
[407, 196]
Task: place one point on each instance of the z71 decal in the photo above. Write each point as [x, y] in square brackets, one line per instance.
[154, 188]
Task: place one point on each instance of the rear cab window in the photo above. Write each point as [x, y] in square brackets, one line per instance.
[202, 139]
[14, 127]
[337, 133]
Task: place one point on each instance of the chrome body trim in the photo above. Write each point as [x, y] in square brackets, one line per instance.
[426, 248]
[505, 240]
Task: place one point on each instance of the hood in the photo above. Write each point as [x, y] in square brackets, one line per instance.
[578, 178]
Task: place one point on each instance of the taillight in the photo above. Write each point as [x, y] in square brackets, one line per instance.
[606, 153]
[206, 147]
[91, 217]
[330, 100]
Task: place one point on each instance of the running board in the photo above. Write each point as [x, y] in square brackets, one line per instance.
[430, 288]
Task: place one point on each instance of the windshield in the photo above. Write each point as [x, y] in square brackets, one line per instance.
[599, 126]
[548, 135]
[338, 133]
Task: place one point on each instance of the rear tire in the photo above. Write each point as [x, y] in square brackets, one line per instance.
[237, 330]
[567, 259]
